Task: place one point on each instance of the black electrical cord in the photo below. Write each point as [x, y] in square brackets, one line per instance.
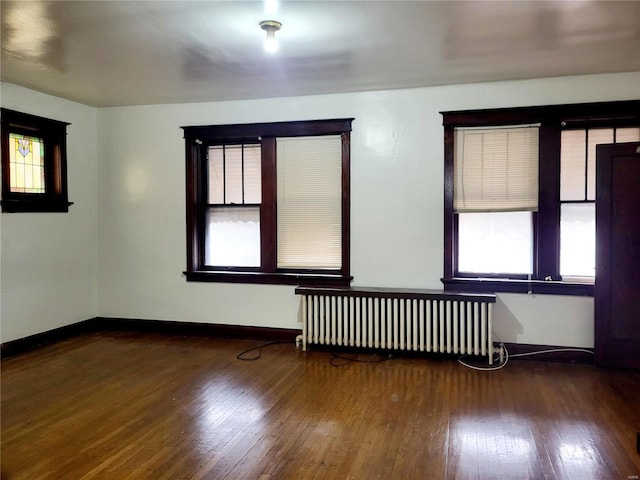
[241, 356]
[339, 360]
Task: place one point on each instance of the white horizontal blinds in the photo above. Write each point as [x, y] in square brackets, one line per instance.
[252, 174]
[309, 214]
[216, 174]
[631, 134]
[578, 159]
[234, 174]
[573, 164]
[496, 169]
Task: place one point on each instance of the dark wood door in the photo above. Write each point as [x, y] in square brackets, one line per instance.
[617, 289]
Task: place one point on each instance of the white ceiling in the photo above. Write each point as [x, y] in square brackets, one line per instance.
[111, 53]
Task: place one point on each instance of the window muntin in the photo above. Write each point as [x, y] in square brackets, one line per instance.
[213, 255]
[34, 167]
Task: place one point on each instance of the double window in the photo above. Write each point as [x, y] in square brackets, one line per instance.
[520, 195]
[34, 163]
[269, 203]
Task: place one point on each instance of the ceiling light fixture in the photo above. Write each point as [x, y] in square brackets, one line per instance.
[271, 27]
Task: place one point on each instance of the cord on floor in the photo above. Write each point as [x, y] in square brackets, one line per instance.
[241, 356]
[506, 356]
[339, 360]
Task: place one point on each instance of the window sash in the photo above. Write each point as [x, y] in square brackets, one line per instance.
[233, 236]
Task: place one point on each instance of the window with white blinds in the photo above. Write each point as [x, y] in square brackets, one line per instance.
[519, 194]
[309, 215]
[269, 202]
[496, 169]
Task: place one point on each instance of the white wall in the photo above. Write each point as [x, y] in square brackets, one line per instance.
[397, 203]
[49, 260]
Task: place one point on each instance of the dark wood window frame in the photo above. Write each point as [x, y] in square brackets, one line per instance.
[54, 136]
[553, 119]
[197, 141]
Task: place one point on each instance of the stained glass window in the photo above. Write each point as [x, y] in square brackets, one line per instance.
[34, 163]
[26, 164]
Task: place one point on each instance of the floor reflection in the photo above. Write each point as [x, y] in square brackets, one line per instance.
[576, 452]
[226, 406]
[482, 445]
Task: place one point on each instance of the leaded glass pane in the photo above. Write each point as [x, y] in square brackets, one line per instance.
[26, 164]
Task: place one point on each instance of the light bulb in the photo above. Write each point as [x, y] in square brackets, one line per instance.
[270, 43]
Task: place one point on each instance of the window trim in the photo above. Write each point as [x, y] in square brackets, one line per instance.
[197, 139]
[54, 135]
[546, 222]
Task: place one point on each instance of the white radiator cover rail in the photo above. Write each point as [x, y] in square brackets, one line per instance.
[396, 319]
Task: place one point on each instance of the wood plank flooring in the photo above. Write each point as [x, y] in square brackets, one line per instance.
[122, 405]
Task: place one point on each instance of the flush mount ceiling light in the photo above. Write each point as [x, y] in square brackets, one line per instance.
[271, 27]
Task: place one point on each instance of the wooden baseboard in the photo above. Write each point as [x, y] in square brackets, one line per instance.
[196, 329]
[572, 356]
[97, 324]
[25, 344]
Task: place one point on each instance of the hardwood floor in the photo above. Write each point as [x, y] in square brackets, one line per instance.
[122, 405]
